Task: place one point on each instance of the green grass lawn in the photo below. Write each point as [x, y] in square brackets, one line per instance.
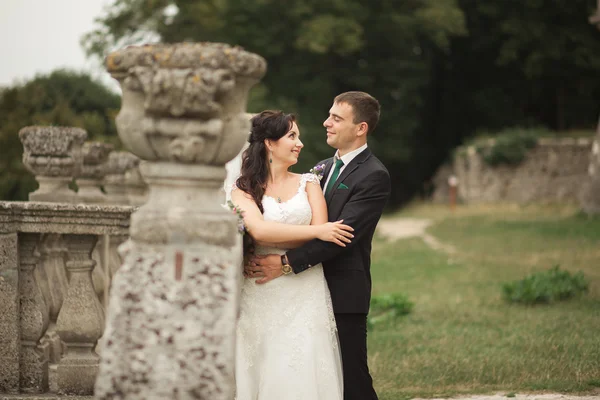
[462, 337]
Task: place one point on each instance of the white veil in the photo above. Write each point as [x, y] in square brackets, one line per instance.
[233, 168]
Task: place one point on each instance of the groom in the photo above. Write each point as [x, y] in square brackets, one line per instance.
[356, 187]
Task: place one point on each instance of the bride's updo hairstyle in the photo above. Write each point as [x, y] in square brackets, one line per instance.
[269, 124]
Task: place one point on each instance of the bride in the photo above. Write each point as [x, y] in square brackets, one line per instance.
[286, 345]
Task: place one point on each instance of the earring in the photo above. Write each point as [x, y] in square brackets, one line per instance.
[270, 159]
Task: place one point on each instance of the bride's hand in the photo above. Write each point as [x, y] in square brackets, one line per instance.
[335, 232]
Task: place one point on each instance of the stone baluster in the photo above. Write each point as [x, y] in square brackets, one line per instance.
[33, 363]
[173, 304]
[53, 154]
[54, 284]
[93, 170]
[80, 321]
[115, 185]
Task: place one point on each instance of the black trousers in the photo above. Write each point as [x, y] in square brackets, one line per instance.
[352, 331]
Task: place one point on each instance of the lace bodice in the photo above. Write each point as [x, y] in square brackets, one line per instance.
[296, 210]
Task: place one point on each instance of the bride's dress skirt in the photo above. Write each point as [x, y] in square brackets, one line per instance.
[287, 345]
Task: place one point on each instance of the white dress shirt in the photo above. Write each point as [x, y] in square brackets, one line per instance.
[346, 158]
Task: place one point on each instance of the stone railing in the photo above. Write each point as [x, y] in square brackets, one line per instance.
[50, 315]
[57, 257]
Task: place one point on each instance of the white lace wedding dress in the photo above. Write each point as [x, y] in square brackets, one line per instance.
[287, 346]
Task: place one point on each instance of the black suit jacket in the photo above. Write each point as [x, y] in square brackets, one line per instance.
[348, 269]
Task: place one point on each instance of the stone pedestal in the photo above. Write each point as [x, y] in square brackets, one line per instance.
[81, 320]
[93, 170]
[136, 188]
[34, 319]
[10, 331]
[173, 304]
[53, 154]
[115, 183]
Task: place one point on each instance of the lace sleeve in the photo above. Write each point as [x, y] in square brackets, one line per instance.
[305, 178]
[312, 178]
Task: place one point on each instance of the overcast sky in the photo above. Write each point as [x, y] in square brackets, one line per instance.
[38, 36]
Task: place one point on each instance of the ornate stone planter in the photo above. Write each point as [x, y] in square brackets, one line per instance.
[53, 154]
[173, 305]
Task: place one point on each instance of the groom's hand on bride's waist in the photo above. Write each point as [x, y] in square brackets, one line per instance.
[266, 268]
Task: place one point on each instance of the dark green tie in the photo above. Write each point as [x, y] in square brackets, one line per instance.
[334, 175]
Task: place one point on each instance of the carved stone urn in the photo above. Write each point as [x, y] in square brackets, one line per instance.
[54, 155]
[174, 301]
[95, 167]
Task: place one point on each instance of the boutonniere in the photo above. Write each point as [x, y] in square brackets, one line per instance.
[318, 170]
[240, 214]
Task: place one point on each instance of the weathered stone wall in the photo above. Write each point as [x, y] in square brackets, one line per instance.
[552, 172]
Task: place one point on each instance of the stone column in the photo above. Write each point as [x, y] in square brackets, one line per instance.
[95, 163]
[80, 321]
[173, 306]
[10, 324]
[53, 154]
[54, 287]
[33, 363]
[115, 184]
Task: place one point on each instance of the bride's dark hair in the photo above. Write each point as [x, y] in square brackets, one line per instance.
[269, 124]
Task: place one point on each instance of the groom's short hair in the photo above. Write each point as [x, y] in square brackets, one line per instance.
[366, 108]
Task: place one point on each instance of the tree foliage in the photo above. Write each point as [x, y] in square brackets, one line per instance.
[442, 69]
[60, 98]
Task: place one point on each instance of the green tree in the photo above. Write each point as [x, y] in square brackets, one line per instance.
[442, 69]
[315, 50]
[60, 98]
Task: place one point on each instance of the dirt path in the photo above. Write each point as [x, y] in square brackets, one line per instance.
[404, 228]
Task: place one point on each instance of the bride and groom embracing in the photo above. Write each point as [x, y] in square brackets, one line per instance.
[302, 332]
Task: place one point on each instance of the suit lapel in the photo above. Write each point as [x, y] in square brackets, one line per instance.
[350, 168]
[328, 164]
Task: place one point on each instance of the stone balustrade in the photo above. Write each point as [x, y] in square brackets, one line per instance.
[50, 314]
[41, 243]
